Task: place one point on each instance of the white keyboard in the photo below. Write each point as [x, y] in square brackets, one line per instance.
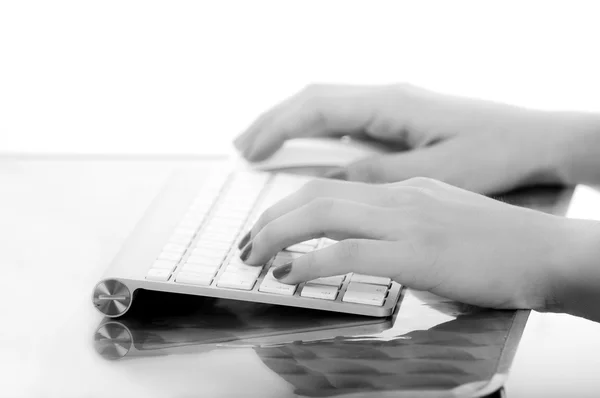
[199, 254]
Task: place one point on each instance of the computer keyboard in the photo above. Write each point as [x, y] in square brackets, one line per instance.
[187, 243]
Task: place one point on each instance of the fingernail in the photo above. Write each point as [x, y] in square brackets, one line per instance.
[246, 252]
[337, 174]
[282, 271]
[244, 240]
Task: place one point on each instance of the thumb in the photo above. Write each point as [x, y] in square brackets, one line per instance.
[396, 260]
[433, 162]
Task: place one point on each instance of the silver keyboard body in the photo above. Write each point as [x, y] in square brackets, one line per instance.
[194, 200]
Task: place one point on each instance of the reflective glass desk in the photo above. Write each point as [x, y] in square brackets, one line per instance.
[64, 219]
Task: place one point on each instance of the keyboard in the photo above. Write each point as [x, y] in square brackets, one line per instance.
[187, 243]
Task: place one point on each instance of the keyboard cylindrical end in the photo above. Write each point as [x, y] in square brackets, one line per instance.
[112, 298]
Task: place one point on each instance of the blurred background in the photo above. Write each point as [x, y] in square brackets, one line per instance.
[184, 77]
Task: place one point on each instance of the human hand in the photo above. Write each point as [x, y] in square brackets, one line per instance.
[477, 145]
[424, 234]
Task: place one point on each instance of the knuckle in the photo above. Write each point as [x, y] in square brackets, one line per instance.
[370, 170]
[404, 87]
[321, 207]
[397, 90]
[392, 197]
[314, 89]
[400, 86]
[312, 188]
[405, 91]
[424, 182]
[266, 234]
[348, 250]
[313, 102]
[286, 128]
[266, 217]
[415, 196]
[414, 222]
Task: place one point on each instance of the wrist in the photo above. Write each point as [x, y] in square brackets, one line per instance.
[574, 275]
[576, 151]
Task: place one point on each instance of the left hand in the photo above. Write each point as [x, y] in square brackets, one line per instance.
[422, 233]
[477, 145]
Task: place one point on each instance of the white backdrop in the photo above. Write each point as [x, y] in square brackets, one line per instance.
[186, 76]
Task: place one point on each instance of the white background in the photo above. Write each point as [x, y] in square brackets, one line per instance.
[185, 77]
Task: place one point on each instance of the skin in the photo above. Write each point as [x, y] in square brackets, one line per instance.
[419, 226]
[438, 136]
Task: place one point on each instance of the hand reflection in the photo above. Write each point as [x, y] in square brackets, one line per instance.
[446, 356]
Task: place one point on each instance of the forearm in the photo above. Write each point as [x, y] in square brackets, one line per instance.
[575, 277]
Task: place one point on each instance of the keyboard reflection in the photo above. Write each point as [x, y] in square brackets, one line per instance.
[320, 354]
[169, 323]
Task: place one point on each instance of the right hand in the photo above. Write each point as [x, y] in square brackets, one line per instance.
[481, 146]
[430, 236]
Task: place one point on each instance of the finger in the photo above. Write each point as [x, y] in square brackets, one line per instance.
[333, 218]
[244, 140]
[427, 162]
[317, 111]
[461, 162]
[319, 188]
[396, 260]
[435, 162]
[439, 189]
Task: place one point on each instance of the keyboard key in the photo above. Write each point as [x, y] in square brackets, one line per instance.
[164, 264]
[174, 248]
[199, 211]
[200, 268]
[224, 238]
[189, 224]
[374, 280]
[199, 208]
[250, 178]
[239, 197]
[219, 229]
[241, 268]
[159, 275]
[301, 248]
[169, 256]
[209, 252]
[185, 231]
[329, 280]
[363, 293]
[272, 285]
[236, 281]
[180, 239]
[327, 242]
[205, 260]
[222, 246]
[322, 292]
[223, 219]
[193, 278]
[197, 215]
[203, 200]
